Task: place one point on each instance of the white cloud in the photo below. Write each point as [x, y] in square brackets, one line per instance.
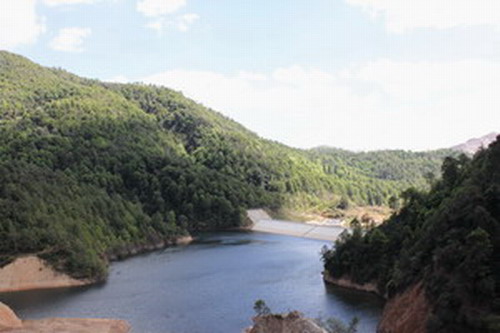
[250, 76]
[19, 23]
[181, 23]
[156, 8]
[404, 15]
[382, 104]
[67, 2]
[160, 14]
[70, 39]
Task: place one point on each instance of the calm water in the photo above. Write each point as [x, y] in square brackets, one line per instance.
[209, 287]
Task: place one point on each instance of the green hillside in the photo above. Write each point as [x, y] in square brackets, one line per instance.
[389, 171]
[89, 169]
[448, 238]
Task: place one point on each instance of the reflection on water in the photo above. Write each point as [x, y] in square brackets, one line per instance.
[42, 298]
[227, 242]
[355, 299]
[209, 286]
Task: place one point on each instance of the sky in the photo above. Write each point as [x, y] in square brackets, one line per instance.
[353, 74]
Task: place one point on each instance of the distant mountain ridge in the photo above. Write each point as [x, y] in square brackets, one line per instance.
[473, 145]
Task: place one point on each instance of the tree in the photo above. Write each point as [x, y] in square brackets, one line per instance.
[394, 203]
[260, 307]
[343, 203]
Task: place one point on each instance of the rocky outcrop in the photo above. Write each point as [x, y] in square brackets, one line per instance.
[10, 323]
[406, 312]
[293, 322]
[31, 272]
[345, 282]
[185, 240]
[8, 318]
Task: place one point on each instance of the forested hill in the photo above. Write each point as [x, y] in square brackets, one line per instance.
[402, 169]
[448, 239]
[89, 168]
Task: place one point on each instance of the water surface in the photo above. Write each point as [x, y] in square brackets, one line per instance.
[209, 286]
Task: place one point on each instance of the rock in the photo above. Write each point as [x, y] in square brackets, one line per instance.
[345, 282]
[185, 240]
[73, 325]
[8, 318]
[31, 272]
[10, 323]
[407, 312]
[293, 322]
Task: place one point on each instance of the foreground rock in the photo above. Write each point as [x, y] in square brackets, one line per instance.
[407, 312]
[8, 318]
[292, 322]
[10, 323]
[31, 272]
[70, 325]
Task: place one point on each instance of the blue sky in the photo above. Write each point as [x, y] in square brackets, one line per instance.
[256, 35]
[356, 74]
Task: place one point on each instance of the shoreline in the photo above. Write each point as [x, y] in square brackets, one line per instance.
[133, 250]
[345, 282]
[10, 323]
[98, 313]
[406, 311]
[262, 222]
[29, 272]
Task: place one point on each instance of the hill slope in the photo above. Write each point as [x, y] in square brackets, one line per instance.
[447, 240]
[397, 168]
[90, 169]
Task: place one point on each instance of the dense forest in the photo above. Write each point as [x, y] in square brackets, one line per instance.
[89, 169]
[392, 170]
[449, 238]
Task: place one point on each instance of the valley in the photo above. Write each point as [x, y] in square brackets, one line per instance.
[92, 173]
[92, 170]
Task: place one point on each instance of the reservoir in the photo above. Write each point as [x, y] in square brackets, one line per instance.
[207, 287]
